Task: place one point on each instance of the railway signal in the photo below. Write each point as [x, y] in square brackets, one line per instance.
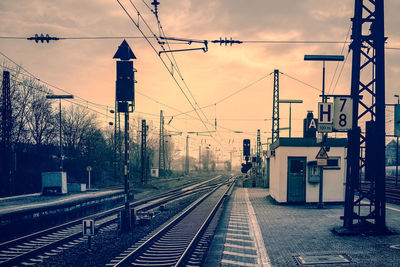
[125, 100]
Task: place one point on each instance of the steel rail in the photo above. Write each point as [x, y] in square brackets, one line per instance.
[186, 255]
[50, 238]
[183, 245]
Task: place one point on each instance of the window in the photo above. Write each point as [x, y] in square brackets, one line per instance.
[333, 163]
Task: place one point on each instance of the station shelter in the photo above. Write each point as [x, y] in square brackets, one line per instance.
[293, 173]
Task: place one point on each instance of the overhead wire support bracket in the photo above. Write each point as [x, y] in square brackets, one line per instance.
[188, 41]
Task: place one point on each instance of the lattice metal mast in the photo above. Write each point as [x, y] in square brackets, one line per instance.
[161, 150]
[368, 94]
[275, 108]
[143, 153]
[258, 151]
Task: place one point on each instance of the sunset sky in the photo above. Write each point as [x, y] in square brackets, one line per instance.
[86, 68]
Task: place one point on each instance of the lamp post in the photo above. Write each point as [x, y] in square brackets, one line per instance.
[397, 146]
[323, 58]
[59, 97]
[282, 101]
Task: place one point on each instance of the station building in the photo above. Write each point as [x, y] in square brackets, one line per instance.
[294, 175]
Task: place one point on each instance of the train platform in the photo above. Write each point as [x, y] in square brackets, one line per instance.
[255, 231]
[36, 201]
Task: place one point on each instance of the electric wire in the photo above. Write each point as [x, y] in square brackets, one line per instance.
[297, 80]
[338, 63]
[162, 60]
[174, 63]
[232, 94]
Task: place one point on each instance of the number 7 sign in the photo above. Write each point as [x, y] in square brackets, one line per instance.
[342, 113]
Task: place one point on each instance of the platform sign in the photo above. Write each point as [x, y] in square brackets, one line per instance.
[325, 128]
[88, 227]
[343, 113]
[325, 117]
[325, 113]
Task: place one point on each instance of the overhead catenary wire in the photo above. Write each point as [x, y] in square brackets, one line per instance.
[162, 60]
[338, 63]
[229, 96]
[304, 83]
[77, 100]
[174, 63]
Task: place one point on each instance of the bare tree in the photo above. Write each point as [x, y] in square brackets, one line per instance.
[77, 124]
[41, 119]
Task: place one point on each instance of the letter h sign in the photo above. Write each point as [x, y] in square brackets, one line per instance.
[325, 113]
[88, 227]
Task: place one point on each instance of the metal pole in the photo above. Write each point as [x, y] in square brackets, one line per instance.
[321, 174]
[397, 158]
[115, 139]
[397, 150]
[379, 41]
[290, 120]
[199, 158]
[187, 155]
[126, 172]
[61, 152]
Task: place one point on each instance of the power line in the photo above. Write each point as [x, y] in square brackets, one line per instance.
[162, 60]
[174, 64]
[225, 98]
[297, 80]
[290, 42]
[208, 40]
[337, 65]
[241, 89]
[46, 83]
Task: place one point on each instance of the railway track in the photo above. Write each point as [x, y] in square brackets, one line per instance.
[44, 244]
[182, 241]
[392, 190]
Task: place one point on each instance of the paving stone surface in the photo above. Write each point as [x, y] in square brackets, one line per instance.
[294, 232]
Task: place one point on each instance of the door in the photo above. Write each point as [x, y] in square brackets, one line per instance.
[296, 183]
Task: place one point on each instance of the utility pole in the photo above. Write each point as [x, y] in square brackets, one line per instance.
[258, 152]
[199, 157]
[275, 108]
[366, 149]
[59, 97]
[396, 122]
[6, 127]
[143, 153]
[161, 149]
[187, 155]
[125, 96]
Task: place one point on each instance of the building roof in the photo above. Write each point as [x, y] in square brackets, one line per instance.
[307, 142]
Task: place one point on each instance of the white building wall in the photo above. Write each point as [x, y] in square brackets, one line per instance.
[334, 179]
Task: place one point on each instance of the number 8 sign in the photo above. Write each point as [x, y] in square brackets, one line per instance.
[342, 113]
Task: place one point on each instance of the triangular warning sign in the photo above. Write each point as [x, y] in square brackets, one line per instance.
[322, 154]
[124, 52]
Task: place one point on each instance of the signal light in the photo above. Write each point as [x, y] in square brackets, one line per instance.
[246, 167]
[246, 147]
